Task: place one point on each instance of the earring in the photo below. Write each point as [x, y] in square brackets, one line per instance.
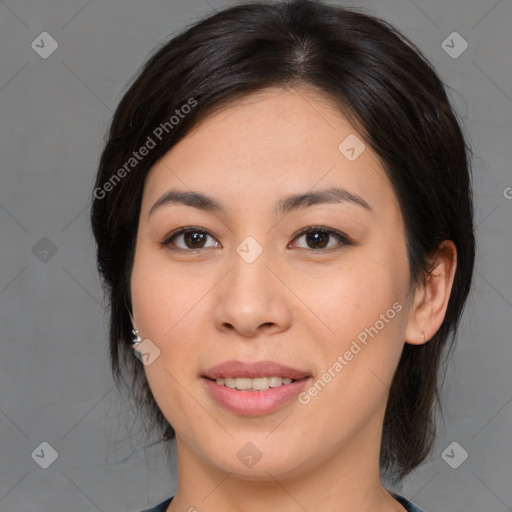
[137, 338]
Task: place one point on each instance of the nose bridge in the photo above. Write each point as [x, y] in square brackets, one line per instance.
[250, 296]
[250, 279]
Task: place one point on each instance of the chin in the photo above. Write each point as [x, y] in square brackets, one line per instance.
[250, 464]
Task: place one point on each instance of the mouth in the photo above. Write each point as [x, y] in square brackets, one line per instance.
[254, 388]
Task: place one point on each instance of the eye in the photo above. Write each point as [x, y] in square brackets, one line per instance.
[319, 237]
[193, 238]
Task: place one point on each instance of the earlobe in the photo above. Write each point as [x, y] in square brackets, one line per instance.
[431, 299]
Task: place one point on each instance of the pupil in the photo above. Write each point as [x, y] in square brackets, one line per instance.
[194, 238]
[317, 237]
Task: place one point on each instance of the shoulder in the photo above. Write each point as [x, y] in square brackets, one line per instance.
[409, 506]
[161, 507]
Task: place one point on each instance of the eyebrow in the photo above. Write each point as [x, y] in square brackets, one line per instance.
[282, 207]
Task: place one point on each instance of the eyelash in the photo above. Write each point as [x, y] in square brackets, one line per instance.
[344, 239]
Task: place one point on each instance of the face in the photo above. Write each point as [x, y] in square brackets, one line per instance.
[319, 286]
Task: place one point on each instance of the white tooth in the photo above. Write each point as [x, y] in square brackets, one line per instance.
[260, 383]
[256, 384]
[230, 383]
[243, 383]
[275, 382]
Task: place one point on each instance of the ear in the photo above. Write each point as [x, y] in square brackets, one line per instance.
[431, 299]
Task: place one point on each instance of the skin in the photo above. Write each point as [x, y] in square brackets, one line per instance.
[295, 304]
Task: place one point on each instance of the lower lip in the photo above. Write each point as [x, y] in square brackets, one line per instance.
[253, 403]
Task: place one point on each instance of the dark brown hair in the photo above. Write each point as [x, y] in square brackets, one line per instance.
[388, 90]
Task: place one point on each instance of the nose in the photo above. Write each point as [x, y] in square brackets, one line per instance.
[251, 300]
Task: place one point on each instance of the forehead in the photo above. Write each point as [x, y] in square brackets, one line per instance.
[272, 143]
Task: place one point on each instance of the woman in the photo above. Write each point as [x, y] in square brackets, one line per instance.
[284, 224]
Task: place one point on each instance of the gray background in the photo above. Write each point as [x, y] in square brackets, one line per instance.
[54, 378]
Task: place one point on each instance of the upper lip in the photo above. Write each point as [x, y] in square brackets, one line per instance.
[253, 370]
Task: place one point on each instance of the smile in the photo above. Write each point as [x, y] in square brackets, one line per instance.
[257, 384]
[250, 401]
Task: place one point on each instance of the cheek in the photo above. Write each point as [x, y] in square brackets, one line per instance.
[167, 304]
[352, 298]
[161, 296]
[360, 358]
